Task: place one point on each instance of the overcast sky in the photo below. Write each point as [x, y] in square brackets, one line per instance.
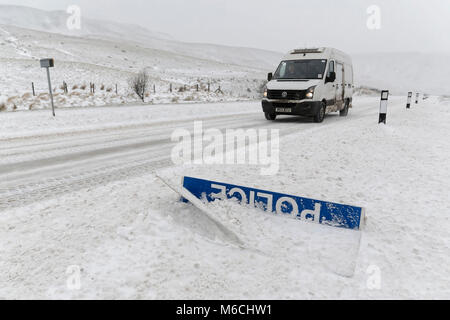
[279, 25]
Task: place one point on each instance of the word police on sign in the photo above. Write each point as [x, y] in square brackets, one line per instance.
[316, 211]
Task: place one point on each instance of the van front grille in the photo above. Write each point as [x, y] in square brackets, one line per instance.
[286, 94]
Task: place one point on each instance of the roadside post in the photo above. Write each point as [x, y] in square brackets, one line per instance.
[47, 64]
[383, 106]
[408, 104]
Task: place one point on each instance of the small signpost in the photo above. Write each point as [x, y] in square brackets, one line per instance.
[47, 64]
[383, 106]
[408, 104]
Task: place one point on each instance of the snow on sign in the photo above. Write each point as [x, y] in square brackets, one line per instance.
[316, 211]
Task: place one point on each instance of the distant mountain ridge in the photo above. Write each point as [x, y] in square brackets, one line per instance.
[56, 22]
[398, 72]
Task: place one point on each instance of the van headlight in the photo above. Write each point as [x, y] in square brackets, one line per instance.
[310, 93]
[265, 93]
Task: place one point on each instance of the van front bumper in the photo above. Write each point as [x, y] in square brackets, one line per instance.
[297, 108]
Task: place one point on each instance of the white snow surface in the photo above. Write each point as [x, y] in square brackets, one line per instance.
[82, 190]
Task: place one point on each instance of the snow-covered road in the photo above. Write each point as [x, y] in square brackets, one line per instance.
[45, 163]
[43, 166]
[80, 190]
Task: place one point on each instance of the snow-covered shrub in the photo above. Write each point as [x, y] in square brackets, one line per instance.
[2, 103]
[139, 84]
[26, 96]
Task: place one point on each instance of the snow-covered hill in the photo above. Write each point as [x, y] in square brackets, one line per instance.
[81, 60]
[55, 22]
[404, 71]
[108, 53]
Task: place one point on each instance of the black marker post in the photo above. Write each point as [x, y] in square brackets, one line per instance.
[383, 106]
[408, 104]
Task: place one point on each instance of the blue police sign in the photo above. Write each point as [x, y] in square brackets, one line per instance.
[316, 211]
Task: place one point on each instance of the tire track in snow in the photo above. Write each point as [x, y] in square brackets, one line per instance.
[39, 189]
[68, 169]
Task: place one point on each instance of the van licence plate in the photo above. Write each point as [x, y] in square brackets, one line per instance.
[284, 110]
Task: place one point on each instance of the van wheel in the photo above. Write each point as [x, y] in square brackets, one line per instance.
[320, 116]
[344, 112]
[270, 116]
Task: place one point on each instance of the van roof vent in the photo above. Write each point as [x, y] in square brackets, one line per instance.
[302, 51]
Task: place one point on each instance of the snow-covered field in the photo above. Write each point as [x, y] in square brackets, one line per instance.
[81, 190]
[107, 61]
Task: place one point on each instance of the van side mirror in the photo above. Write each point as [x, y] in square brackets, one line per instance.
[331, 77]
[270, 77]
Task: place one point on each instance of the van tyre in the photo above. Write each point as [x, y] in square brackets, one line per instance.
[320, 115]
[344, 112]
[270, 116]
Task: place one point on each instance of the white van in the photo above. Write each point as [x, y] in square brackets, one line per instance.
[310, 82]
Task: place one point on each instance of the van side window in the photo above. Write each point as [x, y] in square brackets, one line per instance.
[331, 68]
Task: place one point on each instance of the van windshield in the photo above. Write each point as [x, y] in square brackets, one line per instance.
[301, 69]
